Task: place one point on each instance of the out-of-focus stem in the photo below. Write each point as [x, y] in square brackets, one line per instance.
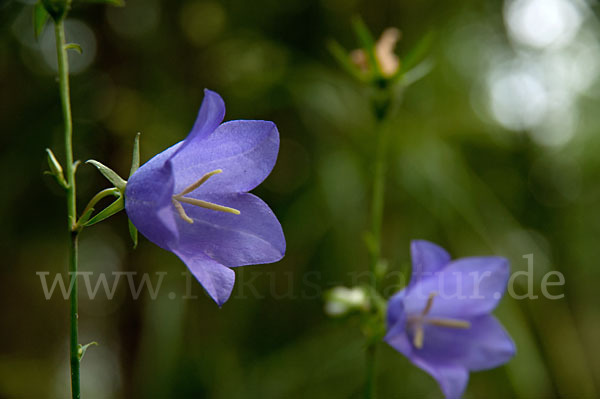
[63, 79]
[377, 205]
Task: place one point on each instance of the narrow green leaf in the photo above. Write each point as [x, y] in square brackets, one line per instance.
[363, 35]
[133, 232]
[110, 174]
[85, 217]
[135, 158]
[344, 60]
[107, 212]
[56, 169]
[418, 52]
[40, 17]
[53, 163]
[73, 46]
[367, 42]
[83, 348]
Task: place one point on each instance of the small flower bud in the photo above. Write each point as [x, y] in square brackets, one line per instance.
[341, 301]
[56, 169]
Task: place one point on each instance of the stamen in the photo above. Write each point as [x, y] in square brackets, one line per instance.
[179, 198]
[429, 304]
[181, 212]
[206, 204]
[200, 182]
[419, 322]
[419, 337]
[451, 323]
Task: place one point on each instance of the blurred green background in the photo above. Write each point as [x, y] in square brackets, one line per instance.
[495, 151]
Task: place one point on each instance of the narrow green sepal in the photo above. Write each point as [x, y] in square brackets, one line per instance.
[417, 54]
[133, 232]
[81, 349]
[56, 169]
[367, 42]
[85, 217]
[135, 158]
[117, 206]
[363, 35]
[343, 58]
[40, 17]
[73, 46]
[110, 174]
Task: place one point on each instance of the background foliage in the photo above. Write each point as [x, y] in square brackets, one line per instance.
[495, 151]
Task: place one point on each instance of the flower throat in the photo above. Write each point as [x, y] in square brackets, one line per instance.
[177, 199]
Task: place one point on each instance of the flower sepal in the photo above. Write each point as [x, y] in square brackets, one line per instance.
[56, 169]
[110, 174]
[117, 191]
[115, 207]
[342, 301]
[81, 349]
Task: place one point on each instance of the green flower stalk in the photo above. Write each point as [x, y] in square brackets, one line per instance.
[376, 65]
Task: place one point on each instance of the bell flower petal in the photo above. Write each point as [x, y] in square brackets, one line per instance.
[216, 279]
[442, 322]
[427, 258]
[192, 199]
[469, 287]
[148, 203]
[252, 237]
[245, 151]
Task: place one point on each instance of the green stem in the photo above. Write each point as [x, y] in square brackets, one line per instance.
[377, 205]
[63, 79]
[74, 345]
[371, 358]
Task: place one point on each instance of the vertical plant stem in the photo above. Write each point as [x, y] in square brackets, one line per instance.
[371, 360]
[74, 346]
[63, 79]
[377, 204]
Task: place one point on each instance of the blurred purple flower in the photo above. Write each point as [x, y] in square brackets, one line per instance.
[192, 199]
[441, 321]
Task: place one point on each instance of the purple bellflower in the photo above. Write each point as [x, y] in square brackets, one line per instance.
[192, 199]
[441, 321]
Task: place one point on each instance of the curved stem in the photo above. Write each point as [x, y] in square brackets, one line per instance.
[63, 79]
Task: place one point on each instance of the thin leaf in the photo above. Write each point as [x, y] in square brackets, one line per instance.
[83, 348]
[56, 169]
[135, 158]
[110, 174]
[418, 52]
[73, 46]
[107, 212]
[363, 35]
[344, 60]
[85, 217]
[367, 42]
[133, 232]
[40, 17]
